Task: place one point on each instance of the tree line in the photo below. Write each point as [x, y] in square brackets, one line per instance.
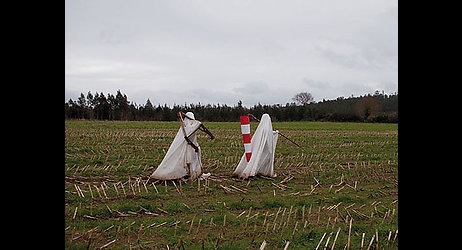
[376, 107]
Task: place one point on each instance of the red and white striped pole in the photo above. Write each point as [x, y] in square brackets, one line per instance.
[245, 129]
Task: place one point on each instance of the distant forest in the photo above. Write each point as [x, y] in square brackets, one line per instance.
[376, 107]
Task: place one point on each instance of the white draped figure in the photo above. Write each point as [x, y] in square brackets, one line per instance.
[183, 158]
[263, 145]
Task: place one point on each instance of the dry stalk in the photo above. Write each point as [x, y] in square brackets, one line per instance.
[115, 187]
[360, 214]
[282, 217]
[157, 191]
[190, 227]
[320, 241]
[110, 211]
[349, 234]
[198, 226]
[288, 216]
[248, 216]
[335, 239]
[275, 218]
[295, 227]
[107, 244]
[319, 215]
[123, 189]
[338, 190]
[80, 190]
[226, 189]
[362, 240]
[349, 206]
[327, 241]
[91, 192]
[278, 186]
[370, 243]
[287, 179]
[77, 189]
[107, 229]
[104, 192]
[238, 189]
[243, 212]
[161, 224]
[287, 245]
[317, 182]
[75, 212]
[264, 221]
[176, 188]
[263, 245]
[133, 189]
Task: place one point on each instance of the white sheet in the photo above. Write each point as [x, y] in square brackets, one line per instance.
[263, 145]
[181, 160]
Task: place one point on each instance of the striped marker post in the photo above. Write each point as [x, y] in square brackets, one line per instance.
[245, 129]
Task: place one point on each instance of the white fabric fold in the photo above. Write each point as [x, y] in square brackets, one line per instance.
[263, 146]
[181, 160]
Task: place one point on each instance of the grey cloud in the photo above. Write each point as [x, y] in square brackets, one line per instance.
[254, 51]
[364, 59]
[252, 88]
[317, 84]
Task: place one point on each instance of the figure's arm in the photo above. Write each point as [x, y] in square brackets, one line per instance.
[201, 127]
[204, 129]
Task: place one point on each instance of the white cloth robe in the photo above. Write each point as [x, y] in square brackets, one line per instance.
[263, 146]
[181, 159]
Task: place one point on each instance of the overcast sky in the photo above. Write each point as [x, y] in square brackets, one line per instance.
[223, 51]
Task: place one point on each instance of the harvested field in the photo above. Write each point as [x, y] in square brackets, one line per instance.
[340, 191]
